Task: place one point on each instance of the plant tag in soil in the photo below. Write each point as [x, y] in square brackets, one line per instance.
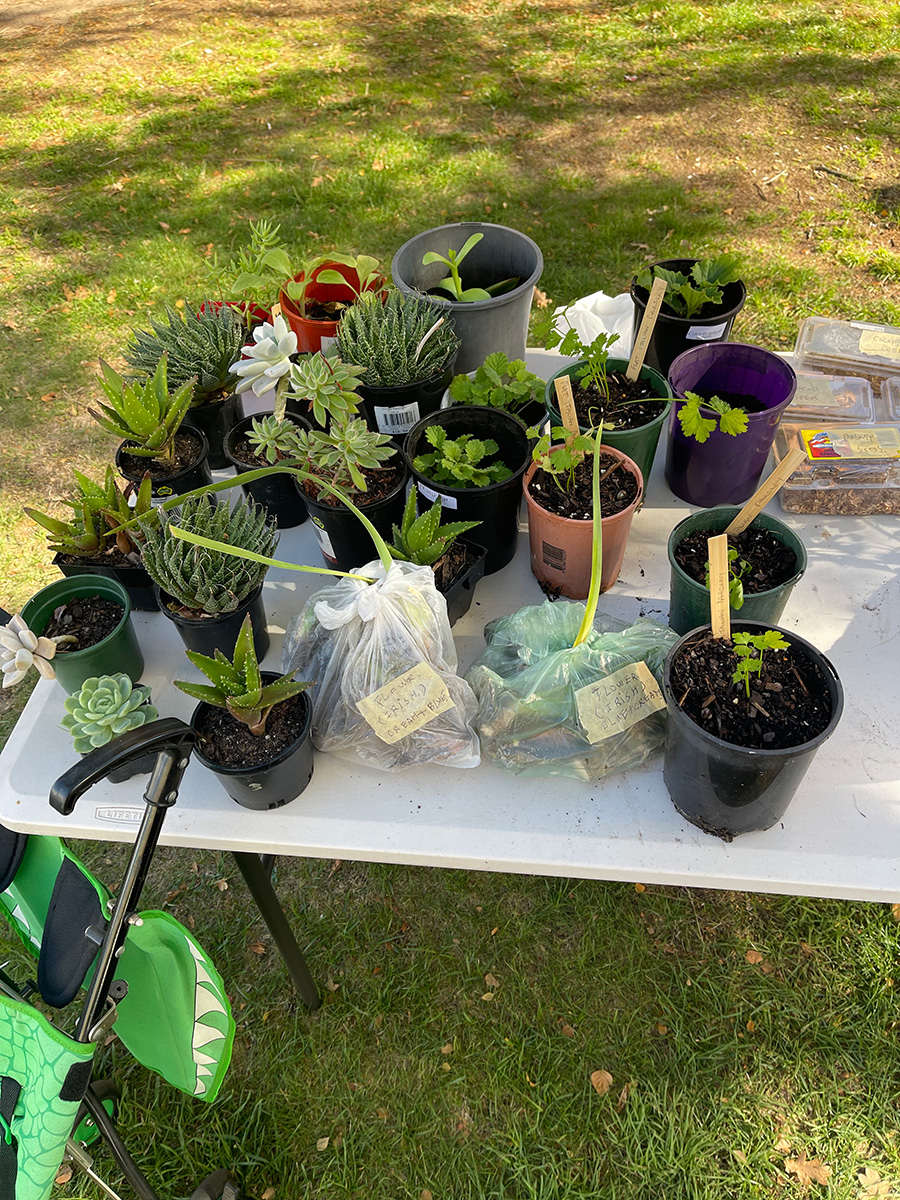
[719, 603]
[766, 491]
[566, 402]
[406, 703]
[617, 702]
[651, 312]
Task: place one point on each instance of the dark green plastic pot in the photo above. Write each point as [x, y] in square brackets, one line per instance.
[638, 444]
[119, 651]
[689, 600]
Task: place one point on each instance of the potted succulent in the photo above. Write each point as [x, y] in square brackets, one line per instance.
[560, 499]
[200, 348]
[745, 719]
[253, 726]
[729, 399]
[702, 299]
[257, 441]
[473, 460]
[93, 540]
[499, 383]
[407, 348]
[316, 297]
[250, 282]
[204, 593]
[488, 313]
[149, 418]
[104, 707]
[632, 412]
[458, 564]
[765, 561]
[264, 367]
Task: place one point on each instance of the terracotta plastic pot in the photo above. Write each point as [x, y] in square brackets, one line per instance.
[561, 546]
[689, 600]
[726, 469]
[319, 335]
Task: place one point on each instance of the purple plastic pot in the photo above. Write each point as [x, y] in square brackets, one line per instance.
[726, 469]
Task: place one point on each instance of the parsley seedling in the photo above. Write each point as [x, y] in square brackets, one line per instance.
[749, 649]
[736, 572]
[694, 424]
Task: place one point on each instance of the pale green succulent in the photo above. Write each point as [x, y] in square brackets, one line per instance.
[106, 706]
[340, 455]
[328, 385]
[404, 339]
[273, 439]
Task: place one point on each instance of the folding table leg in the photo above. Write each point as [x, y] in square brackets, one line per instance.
[256, 877]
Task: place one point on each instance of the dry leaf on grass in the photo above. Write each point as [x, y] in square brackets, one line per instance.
[256, 948]
[623, 1097]
[640, 887]
[808, 1170]
[64, 1174]
[601, 1081]
[447, 1049]
[425, 1194]
[740, 1156]
[871, 1185]
[568, 1030]
[268, 1194]
[322, 1143]
[488, 996]
[895, 911]
[491, 980]
[753, 957]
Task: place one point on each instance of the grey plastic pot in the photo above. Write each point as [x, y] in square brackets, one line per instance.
[689, 600]
[483, 326]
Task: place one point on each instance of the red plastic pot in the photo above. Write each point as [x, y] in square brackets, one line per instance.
[319, 335]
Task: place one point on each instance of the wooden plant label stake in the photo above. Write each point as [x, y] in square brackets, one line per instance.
[614, 704]
[719, 603]
[767, 490]
[566, 402]
[275, 311]
[642, 341]
[406, 703]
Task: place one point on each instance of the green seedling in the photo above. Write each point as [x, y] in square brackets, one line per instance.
[591, 372]
[321, 270]
[460, 462]
[453, 284]
[498, 383]
[423, 540]
[558, 453]
[694, 424]
[736, 572]
[749, 648]
[686, 295]
[253, 280]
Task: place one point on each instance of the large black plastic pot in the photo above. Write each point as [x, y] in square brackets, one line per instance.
[461, 591]
[343, 540]
[134, 579]
[219, 632]
[276, 493]
[483, 326]
[214, 421]
[394, 410]
[497, 505]
[673, 335]
[196, 475]
[725, 789]
[275, 782]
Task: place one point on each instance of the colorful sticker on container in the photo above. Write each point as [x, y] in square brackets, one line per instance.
[706, 333]
[614, 704]
[406, 703]
[399, 419]
[432, 495]
[858, 442]
[814, 392]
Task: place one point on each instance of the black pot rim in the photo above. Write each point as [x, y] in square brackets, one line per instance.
[245, 423]
[321, 506]
[640, 295]
[275, 760]
[762, 756]
[445, 488]
[193, 431]
[387, 390]
[199, 622]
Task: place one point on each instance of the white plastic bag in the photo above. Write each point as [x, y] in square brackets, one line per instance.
[355, 639]
[598, 313]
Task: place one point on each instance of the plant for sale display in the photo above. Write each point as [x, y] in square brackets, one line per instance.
[251, 281]
[462, 462]
[499, 383]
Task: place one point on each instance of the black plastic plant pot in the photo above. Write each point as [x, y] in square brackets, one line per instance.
[214, 420]
[118, 651]
[275, 782]
[497, 505]
[728, 790]
[135, 580]
[196, 475]
[343, 540]
[276, 493]
[461, 591]
[394, 410]
[673, 335]
[219, 632]
[483, 326]
[689, 600]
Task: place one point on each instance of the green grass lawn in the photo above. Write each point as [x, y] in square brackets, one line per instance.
[466, 1013]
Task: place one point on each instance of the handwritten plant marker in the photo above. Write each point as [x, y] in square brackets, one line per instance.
[719, 603]
[642, 341]
[767, 490]
[566, 402]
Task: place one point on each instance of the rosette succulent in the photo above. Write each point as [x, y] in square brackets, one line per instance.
[21, 649]
[267, 362]
[106, 706]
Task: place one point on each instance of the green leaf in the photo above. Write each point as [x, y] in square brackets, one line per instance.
[469, 244]
[693, 423]
[733, 422]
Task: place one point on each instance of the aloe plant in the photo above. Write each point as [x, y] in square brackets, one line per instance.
[99, 512]
[423, 540]
[143, 412]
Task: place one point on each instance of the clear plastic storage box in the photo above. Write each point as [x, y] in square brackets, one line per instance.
[857, 348]
[831, 398]
[849, 469]
[890, 397]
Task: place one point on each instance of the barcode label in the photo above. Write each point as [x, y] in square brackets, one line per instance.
[397, 420]
[554, 556]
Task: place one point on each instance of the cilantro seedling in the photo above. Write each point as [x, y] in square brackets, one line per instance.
[559, 461]
[736, 572]
[749, 648]
[694, 424]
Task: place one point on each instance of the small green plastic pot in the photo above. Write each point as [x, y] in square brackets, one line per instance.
[119, 650]
[689, 600]
[638, 444]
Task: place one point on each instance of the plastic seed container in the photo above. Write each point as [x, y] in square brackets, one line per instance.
[890, 396]
[849, 348]
[851, 470]
[831, 398]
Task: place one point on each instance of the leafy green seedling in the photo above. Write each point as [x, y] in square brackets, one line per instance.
[694, 424]
[452, 282]
[460, 462]
[749, 648]
[686, 295]
[559, 460]
[321, 270]
[498, 383]
[736, 572]
[591, 372]
[423, 540]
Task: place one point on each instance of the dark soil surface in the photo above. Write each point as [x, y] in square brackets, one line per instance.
[788, 704]
[618, 488]
[316, 311]
[771, 562]
[89, 619]
[380, 482]
[451, 565]
[629, 406]
[227, 741]
[246, 453]
[113, 557]
[187, 453]
[737, 400]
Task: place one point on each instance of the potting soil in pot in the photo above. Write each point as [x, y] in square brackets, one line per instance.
[88, 619]
[228, 742]
[618, 489]
[771, 563]
[629, 405]
[451, 565]
[380, 482]
[788, 703]
[187, 451]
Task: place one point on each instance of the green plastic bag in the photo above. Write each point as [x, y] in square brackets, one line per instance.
[531, 720]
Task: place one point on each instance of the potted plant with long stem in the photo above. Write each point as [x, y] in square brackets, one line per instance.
[315, 298]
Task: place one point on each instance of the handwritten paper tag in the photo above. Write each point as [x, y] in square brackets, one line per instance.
[617, 702]
[766, 491]
[880, 343]
[406, 703]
